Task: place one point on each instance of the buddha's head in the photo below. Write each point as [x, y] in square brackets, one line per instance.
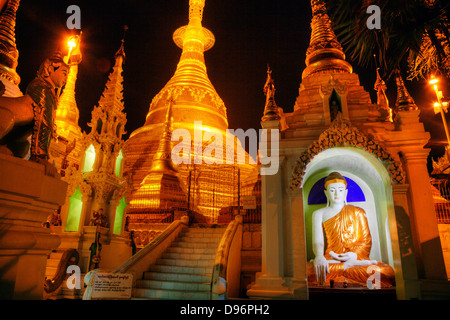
[336, 189]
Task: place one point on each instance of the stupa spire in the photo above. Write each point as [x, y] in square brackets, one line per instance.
[324, 53]
[9, 54]
[194, 95]
[404, 100]
[112, 97]
[162, 158]
[108, 118]
[270, 109]
[67, 113]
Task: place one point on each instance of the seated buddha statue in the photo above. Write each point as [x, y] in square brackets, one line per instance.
[342, 241]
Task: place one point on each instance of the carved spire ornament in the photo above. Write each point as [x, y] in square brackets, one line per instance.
[324, 53]
[270, 109]
[382, 100]
[342, 133]
[404, 100]
[9, 54]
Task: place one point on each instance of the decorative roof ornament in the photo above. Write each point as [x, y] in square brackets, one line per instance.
[382, 100]
[108, 119]
[9, 54]
[270, 108]
[121, 51]
[404, 100]
[342, 133]
[324, 53]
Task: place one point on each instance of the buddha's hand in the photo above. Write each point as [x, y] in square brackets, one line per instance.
[356, 263]
[321, 268]
[343, 256]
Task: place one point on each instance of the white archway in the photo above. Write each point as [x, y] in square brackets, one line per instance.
[374, 180]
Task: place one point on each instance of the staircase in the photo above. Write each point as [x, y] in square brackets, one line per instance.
[184, 271]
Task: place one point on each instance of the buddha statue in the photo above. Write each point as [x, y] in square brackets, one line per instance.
[341, 241]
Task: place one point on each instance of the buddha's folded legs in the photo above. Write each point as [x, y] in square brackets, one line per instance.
[358, 274]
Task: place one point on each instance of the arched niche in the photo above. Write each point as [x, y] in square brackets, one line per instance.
[118, 164]
[74, 212]
[373, 180]
[118, 220]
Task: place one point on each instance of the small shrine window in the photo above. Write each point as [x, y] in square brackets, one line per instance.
[335, 105]
[74, 214]
[89, 159]
[118, 168]
[119, 216]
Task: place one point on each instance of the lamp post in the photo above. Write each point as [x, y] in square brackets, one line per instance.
[434, 81]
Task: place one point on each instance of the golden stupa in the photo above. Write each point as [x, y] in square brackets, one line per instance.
[193, 98]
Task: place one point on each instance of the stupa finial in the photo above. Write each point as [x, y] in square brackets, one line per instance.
[404, 100]
[270, 108]
[324, 53]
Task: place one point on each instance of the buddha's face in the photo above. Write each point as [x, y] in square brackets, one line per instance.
[336, 193]
[58, 75]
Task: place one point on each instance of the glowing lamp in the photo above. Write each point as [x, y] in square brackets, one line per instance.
[437, 107]
[433, 80]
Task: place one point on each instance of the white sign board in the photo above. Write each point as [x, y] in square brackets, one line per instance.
[112, 286]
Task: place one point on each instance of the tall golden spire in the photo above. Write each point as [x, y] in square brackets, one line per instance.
[324, 53]
[190, 87]
[9, 54]
[161, 188]
[67, 113]
[162, 158]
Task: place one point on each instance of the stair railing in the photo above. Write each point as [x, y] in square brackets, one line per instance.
[227, 262]
[69, 257]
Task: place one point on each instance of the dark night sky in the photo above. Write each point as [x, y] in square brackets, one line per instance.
[249, 35]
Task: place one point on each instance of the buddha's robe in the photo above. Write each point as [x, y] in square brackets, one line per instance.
[348, 231]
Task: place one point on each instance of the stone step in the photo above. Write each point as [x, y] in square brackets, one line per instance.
[143, 293]
[201, 234]
[186, 262]
[181, 269]
[188, 256]
[184, 270]
[191, 244]
[173, 285]
[187, 250]
[214, 240]
[206, 230]
[184, 277]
